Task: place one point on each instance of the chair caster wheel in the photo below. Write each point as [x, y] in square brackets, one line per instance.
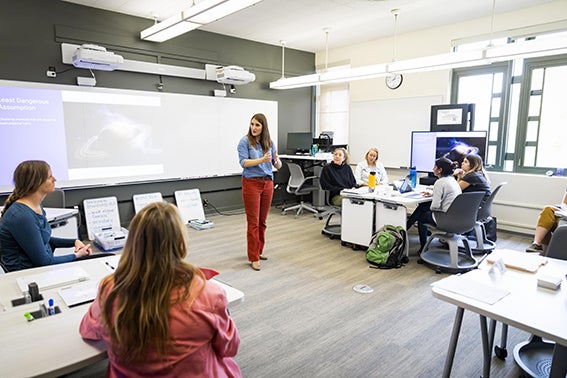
[343, 243]
[320, 218]
[420, 261]
[501, 353]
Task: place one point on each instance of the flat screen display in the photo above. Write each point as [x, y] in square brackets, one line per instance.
[299, 142]
[426, 147]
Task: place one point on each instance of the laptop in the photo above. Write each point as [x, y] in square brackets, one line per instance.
[403, 186]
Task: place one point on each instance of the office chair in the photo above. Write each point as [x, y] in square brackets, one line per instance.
[54, 199]
[451, 227]
[483, 244]
[299, 185]
[535, 355]
[331, 229]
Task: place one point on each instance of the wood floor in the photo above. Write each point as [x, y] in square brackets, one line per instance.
[301, 317]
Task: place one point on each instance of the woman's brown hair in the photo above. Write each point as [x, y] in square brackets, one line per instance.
[265, 140]
[136, 299]
[29, 175]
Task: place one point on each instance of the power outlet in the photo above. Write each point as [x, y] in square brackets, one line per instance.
[205, 202]
[51, 72]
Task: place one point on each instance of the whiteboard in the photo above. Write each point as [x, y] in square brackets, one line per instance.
[189, 204]
[101, 214]
[142, 200]
[98, 136]
[387, 125]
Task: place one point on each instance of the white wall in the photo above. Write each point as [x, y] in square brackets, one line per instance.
[519, 202]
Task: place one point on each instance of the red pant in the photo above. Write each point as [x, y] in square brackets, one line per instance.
[257, 197]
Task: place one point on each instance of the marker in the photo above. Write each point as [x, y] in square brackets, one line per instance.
[50, 309]
[29, 316]
[110, 266]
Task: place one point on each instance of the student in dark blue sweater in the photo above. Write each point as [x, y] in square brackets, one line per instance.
[337, 176]
[25, 233]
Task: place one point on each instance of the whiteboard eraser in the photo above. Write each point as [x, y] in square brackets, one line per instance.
[86, 81]
[220, 93]
[549, 282]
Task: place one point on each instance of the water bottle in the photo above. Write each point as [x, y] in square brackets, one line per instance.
[413, 177]
[314, 149]
[372, 181]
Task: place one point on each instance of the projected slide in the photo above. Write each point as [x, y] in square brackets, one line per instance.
[101, 136]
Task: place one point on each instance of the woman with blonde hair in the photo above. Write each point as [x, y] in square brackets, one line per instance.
[370, 164]
[157, 314]
[25, 233]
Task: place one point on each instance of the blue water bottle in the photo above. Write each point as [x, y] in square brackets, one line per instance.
[314, 149]
[413, 177]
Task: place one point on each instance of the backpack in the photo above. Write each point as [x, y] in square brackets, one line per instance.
[387, 247]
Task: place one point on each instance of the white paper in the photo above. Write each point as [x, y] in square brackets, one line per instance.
[472, 289]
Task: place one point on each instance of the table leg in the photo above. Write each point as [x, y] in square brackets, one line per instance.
[559, 362]
[453, 342]
[487, 342]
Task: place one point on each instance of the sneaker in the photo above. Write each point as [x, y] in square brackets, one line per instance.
[534, 248]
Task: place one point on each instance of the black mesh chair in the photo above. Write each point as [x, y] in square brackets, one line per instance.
[332, 229]
[454, 255]
[483, 244]
[300, 186]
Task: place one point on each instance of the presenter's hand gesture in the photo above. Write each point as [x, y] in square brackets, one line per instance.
[267, 157]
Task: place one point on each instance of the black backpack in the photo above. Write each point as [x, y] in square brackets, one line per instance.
[387, 248]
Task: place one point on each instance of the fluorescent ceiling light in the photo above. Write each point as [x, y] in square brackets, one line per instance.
[439, 62]
[527, 49]
[296, 82]
[351, 74]
[201, 13]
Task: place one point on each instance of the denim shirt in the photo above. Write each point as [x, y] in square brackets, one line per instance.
[245, 152]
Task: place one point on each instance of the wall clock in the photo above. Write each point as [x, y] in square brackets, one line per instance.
[393, 81]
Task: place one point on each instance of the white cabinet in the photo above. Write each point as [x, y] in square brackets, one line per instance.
[357, 221]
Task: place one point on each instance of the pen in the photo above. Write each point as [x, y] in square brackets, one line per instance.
[110, 266]
[50, 309]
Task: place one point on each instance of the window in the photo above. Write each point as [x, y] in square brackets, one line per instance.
[520, 104]
[332, 110]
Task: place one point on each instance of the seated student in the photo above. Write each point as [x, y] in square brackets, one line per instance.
[25, 233]
[370, 164]
[472, 177]
[157, 314]
[445, 190]
[546, 223]
[337, 176]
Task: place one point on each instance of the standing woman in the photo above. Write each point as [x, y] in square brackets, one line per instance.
[257, 155]
[472, 177]
[445, 190]
[370, 164]
[25, 233]
[157, 314]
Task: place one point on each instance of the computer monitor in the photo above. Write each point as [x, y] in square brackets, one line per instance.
[427, 146]
[299, 142]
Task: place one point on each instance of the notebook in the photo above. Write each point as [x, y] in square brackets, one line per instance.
[54, 278]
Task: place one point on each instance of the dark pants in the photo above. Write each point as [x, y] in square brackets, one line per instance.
[422, 215]
[257, 197]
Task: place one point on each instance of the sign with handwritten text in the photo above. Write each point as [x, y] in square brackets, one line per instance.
[101, 214]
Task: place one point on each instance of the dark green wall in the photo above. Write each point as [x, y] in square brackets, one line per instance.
[33, 30]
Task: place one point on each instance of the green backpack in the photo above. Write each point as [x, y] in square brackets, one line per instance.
[387, 248]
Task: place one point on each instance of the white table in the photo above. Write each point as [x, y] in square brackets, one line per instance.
[364, 212]
[536, 310]
[52, 346]
[317, 163]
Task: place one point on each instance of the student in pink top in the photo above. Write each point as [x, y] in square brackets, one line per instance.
[157, 314]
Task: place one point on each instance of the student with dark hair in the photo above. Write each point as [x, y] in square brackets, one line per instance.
[445, 190]
[25, 233]
[157, 314]
[472, 177]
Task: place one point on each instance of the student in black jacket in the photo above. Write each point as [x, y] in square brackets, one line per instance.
[337, 176]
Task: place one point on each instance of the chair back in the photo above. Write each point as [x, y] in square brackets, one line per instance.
[461, 215]
[54, 199]
[485, 210]
[296, 177]
[557, 248]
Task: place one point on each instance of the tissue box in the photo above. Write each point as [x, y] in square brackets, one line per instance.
[111, 240]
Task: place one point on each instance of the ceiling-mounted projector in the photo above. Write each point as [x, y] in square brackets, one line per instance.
[96, 57]
[234, 75]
